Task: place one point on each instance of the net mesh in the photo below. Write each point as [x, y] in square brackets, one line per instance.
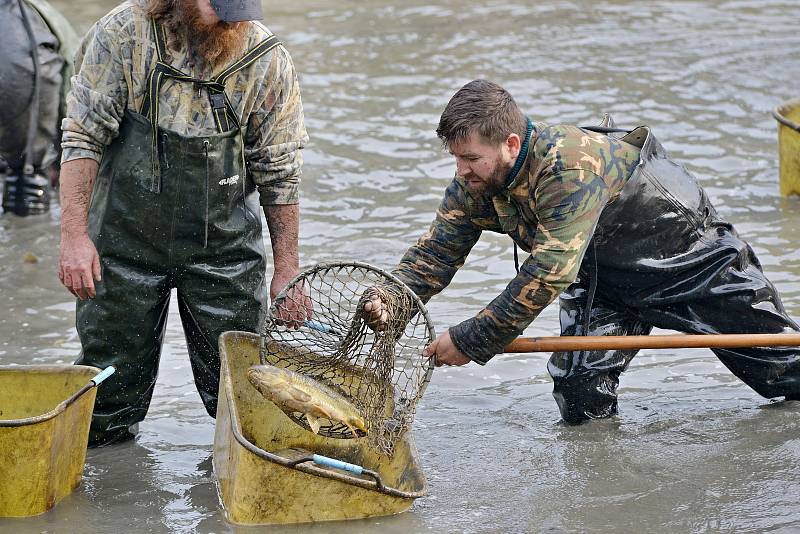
[382, 372]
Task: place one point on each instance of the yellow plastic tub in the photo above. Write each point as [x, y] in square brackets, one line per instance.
[45, 411]
[270, 470]
[788, 117]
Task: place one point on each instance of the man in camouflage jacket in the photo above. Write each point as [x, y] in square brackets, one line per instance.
[624, 235]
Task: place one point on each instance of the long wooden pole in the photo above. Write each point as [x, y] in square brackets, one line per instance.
[727, 341]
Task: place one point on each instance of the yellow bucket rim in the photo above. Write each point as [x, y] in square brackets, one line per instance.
[778, 113]
[6, 423]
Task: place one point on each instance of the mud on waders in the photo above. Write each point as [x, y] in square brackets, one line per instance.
[170, 211]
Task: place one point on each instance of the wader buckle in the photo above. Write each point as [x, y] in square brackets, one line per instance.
[218, 101]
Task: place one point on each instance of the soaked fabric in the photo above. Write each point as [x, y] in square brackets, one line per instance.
[549, 209]
[198, 232]
[265, 97]
[681, 267]
[68, 42]
[17, 75]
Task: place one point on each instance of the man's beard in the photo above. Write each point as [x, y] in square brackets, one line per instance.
[217, 43]
[491, 186]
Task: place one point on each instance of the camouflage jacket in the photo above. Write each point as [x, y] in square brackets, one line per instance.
[113, 63]
[551, 206]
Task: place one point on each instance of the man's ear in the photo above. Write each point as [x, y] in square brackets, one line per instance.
[514, 144]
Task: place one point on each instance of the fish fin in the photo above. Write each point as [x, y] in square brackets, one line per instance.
[300, 395]
[313, 422]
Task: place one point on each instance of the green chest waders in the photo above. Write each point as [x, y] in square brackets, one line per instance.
[683, 268]
[170, 211]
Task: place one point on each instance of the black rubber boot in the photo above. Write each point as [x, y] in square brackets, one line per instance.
[26, 195]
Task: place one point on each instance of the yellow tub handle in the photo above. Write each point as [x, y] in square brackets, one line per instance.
[783, 120]
[93, 383]
[102, 375]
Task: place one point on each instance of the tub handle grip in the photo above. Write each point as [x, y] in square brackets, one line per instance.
[338, 464]
[102, 375]
[352, 468]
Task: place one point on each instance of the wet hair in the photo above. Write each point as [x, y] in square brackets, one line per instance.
[484, 107]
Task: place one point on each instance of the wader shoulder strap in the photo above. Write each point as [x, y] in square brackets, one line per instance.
[224, 113]
[28, 169]
[225, 117]
[605, 129]
[635, 137]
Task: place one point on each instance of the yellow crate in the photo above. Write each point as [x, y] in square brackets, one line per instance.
[44, 430]
[263, 462]
[788, 117]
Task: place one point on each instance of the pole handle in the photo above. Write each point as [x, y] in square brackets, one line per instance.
[682, 341]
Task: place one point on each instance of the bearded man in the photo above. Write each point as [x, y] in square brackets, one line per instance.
[180, 112]
[625, 236]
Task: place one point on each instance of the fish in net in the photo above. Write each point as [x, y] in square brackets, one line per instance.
[373, 371]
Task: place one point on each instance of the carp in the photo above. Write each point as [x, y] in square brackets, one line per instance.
[293, 392]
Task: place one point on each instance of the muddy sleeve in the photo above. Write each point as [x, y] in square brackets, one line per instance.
[98, 98]
[568, 205]
[429, 265]
[277, 133]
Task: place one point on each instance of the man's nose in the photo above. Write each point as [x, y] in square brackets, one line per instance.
[462, 167]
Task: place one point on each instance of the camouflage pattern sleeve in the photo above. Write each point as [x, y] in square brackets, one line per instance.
[276, 134]
[567, 204]
[98, 98]
[429, 265]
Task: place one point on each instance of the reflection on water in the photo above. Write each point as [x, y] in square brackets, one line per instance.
[693, 449]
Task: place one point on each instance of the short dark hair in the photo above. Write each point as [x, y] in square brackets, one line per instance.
[484, 107]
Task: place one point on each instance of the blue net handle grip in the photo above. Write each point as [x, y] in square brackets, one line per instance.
[320, 327]
[102, 375]
[337, 464]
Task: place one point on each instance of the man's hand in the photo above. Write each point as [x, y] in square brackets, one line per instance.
[78, 262]
[444, 352]
[79, 266]
[284, 222]
[377, 312]
[296, 307]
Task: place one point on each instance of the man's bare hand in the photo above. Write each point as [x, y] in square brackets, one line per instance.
[79, 266]
[296, 306]
[377, 312]
[78, 262]
[444, 352]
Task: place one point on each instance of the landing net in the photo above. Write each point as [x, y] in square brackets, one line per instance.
[381, 371]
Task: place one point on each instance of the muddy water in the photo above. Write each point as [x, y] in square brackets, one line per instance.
[693, 449]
